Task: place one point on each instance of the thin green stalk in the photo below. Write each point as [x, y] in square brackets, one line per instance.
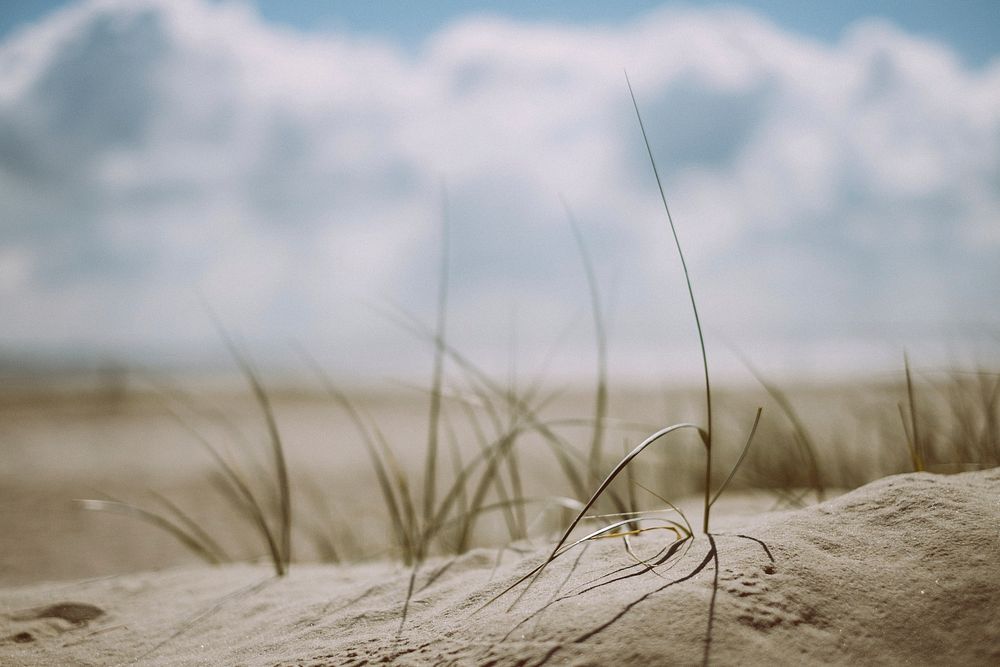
[457, 466]
[511, 430]
[917, 451]
[400, 530]
[193, 527]
[490, 476]
[403, 492]
[434, 418]
[321, 520]
[600, 336]
[278, 450]
[633, 503]
[188, 539]
[511, 459]
[802, 434]
[707, 432]
[736, 466]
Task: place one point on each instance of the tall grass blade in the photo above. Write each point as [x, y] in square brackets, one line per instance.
[707, 432]
[917, 449]
[489, 476]
[281, 467]
[193, 527]
[600, 336]
[516, 517]
[484, 444]
[908, 434]
[400, 530]
[805, 442]
[457, 467]
[184, 536]
[743, 453]
[434, 418]
[405, 497]
[633, 502]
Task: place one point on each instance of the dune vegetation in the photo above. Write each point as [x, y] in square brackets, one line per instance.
[515, 505]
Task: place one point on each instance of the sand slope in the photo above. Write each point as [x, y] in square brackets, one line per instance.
[903, 571]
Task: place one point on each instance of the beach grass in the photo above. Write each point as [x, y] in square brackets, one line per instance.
[479, 429]
[246, 492]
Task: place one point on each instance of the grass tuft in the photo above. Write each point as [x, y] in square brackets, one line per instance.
[236, 486]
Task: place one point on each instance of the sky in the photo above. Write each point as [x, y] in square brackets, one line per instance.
[833, 170]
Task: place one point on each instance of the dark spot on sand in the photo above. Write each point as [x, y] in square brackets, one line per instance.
[78, 613]
[768, 569]
[22, 637]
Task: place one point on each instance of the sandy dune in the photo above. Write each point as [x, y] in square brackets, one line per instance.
[903, 571]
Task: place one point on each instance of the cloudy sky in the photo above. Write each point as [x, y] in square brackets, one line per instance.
[833, 169]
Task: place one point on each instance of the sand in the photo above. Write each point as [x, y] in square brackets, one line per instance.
[905, 570]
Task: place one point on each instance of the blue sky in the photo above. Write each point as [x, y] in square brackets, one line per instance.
[834, 170]
[971, 27]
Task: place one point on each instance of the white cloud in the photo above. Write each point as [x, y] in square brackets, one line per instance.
[153, 149]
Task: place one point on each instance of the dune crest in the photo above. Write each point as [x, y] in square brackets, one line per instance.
[903, 570]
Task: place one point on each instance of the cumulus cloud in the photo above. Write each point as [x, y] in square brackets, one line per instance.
[152, 150]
